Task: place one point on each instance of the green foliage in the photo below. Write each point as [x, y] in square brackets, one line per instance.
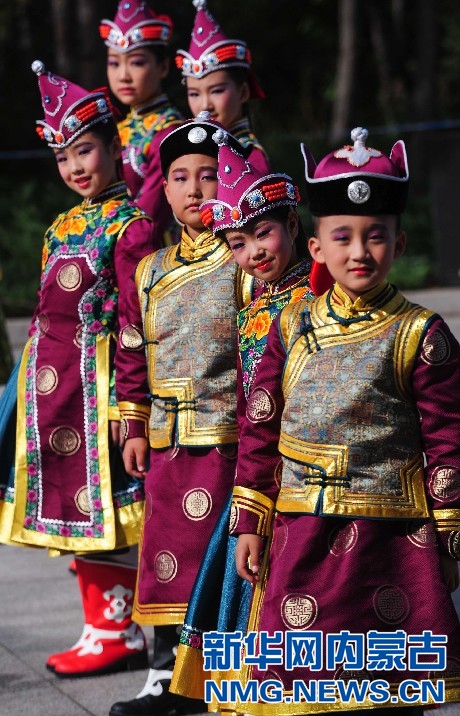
[27, 208]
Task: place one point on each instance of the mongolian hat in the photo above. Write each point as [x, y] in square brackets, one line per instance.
[211, 50]
[135, 25]
[357, 180]
[69, 109]
[243, 192]
[195, 136]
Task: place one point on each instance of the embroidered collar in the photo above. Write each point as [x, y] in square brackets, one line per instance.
[289, 279]
[344, 310]
[240, 126]
[196, 249]
[153, 105]
[113, 192]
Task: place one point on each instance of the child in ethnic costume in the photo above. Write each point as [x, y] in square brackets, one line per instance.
[137, 62]
[360, 529]
[70, 491]
[256, 216]
[219, 79]
[181, 393]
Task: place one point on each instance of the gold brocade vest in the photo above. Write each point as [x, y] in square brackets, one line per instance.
[350, 434]
[190, 295]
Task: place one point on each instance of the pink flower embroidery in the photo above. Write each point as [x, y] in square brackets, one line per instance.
[109, 305]
[40, 527]
[32, 496]
[95, 479]
[97, 504]
[91, 351]
[29, 420]
[88, 532]
[64, 531]
[96, 326]
[91, 376]
[87, 307]
[31, 445]
[92, 400]
[28, 521]
[31, 470]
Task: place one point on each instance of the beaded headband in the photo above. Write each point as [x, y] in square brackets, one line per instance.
[69, 109]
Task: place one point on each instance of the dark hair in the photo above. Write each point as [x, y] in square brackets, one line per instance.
[106, 130]
[281, 214]
[239, 75]
[160, 52]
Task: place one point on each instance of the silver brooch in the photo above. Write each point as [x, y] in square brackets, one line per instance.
[290, 190]
[101, 105]
[240, 52]
[197, 135]
[255, 199]
[358, 191]
[72, 123]
[218, 212]
[227, 169]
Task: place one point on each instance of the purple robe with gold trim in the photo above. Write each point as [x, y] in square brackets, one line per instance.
[355, 534]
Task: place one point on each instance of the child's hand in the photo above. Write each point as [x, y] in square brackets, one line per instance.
[449, 568]
[114, 432]
[247, 557]
[135, 455]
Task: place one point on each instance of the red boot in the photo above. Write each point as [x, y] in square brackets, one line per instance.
[110, 641]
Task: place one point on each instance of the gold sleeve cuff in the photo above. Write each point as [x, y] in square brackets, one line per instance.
[114, 413]
[259, 507]
[446, 520]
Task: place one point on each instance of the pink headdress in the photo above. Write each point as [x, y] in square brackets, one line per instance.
[211, 50]
[243, 192]
[357, 180]
[69, 109]
[135, 25]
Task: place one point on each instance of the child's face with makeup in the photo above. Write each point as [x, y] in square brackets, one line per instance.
[191, 180]
[135, 77]
[265, 247]
[358, 250]
[88, 165]
[218, 94]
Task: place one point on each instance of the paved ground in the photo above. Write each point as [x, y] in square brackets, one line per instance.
[41, 613]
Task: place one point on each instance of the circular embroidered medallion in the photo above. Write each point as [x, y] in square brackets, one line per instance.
[78, 336]
[261, 406]
[423, 536]
[46, 380]
[391, 604]
[453, 544]
[299, 611]
[358, 675]
[229, 451]
[358, 191]
[444, 483]
[131, 338]
[342, 539]
[69, 277]
[165, 566]
[452, 670]
[82, 500]
[197, 504]
[278, 473]
[43, 323]
[436, 348]
[64, 441]
[234, 514]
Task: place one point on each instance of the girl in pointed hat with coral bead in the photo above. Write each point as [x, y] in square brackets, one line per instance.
[137, 63]
[68, 490]
[218, 75]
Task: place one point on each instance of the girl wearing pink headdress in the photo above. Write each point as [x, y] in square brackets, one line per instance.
[137, 62]
[67, 489]
[219, 79]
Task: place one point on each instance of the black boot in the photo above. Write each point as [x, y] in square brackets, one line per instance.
[162, 703]
[155, 699]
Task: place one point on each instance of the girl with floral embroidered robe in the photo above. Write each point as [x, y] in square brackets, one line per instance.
[219, 78]
[137, 62]
[359, 391]
[69, 490]
[268, 243]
